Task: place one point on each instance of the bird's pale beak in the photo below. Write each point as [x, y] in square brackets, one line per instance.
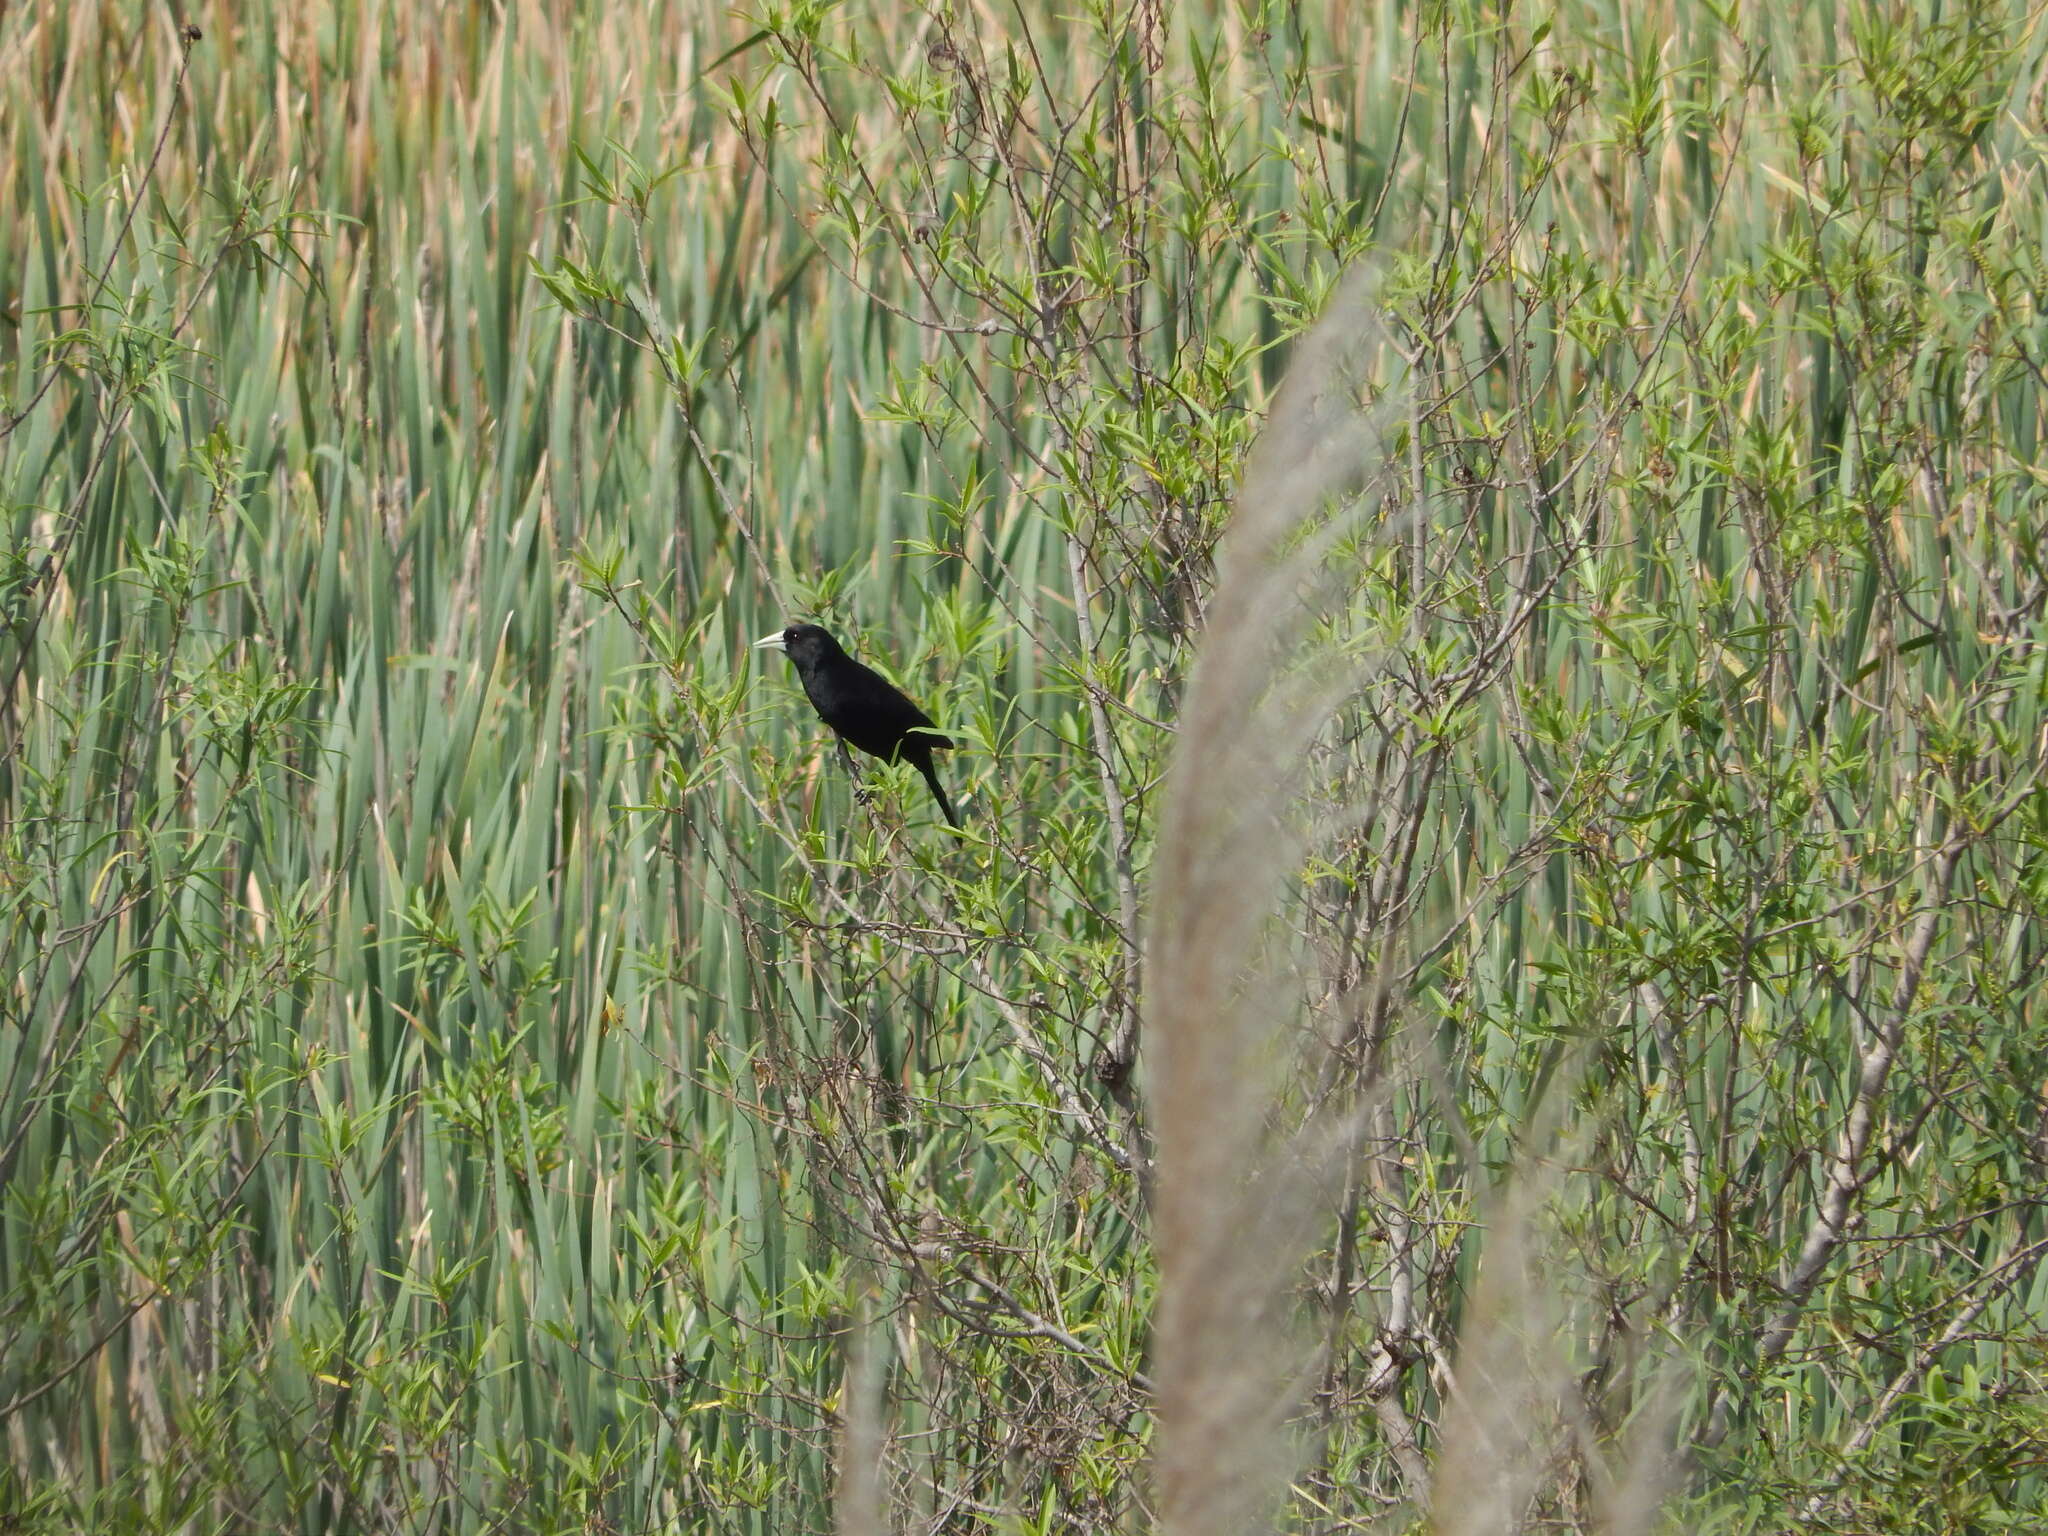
[766, 640]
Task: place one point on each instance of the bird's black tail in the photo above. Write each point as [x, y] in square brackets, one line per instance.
[931, 777]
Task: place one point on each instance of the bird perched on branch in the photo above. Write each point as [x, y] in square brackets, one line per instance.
[862, 706]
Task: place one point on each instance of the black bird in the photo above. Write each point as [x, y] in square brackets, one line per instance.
[862, 706]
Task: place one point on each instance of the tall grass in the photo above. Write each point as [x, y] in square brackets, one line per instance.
[470, 1061]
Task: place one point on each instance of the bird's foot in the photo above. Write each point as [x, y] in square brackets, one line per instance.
[861, 792]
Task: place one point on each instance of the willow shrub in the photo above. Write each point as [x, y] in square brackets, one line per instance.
[472, 1063]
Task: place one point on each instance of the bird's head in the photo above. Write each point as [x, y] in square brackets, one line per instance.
[801, 643]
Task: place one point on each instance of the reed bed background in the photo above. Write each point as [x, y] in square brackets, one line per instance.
[469, 1063]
